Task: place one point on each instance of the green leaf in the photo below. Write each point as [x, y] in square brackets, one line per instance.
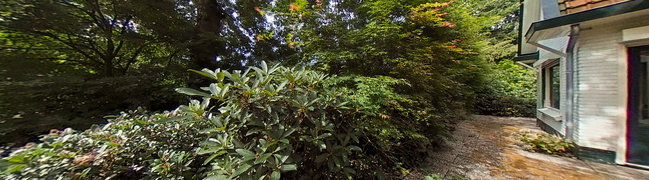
[349, 171]
[85, 172]
[330, 165]
[241, 170]
[245, 152]
[325, 135]
[288, 132]
[208, 160]
[224, 91]
[253, 131]
[281, 86]
[216, 177]
[262, 158]
[336, 161]
[220, 76]
[205, 72]
[111, 117]
[247, 155]
[288, 167]
[320, 158]
[275, 175]
[140, 122]
[17, 158]
[320, 144]
[354, 148]
[280, 158]
[192, 92]
[15, 168]
[264, 66]
[171, 119]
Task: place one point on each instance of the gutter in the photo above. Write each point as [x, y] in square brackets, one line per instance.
[571, 63]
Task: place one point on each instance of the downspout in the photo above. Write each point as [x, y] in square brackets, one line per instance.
[570, 81]
[520, 26]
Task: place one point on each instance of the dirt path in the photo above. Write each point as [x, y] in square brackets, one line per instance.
[486, 148]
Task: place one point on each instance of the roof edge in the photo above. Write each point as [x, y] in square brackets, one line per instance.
[592, 14]
[529, 56]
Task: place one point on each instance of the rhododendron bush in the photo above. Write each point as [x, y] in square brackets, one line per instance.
[263, 122]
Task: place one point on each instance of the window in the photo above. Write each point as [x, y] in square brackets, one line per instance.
[552, 84]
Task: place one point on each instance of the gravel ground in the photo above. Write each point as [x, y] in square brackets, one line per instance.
[486, 147]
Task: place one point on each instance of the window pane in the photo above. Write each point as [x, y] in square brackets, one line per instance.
[554, 87]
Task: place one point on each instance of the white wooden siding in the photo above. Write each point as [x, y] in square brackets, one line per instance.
[562, 94]
[600, 68]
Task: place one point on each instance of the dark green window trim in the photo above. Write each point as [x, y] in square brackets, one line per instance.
[555, 86]
[551, 84]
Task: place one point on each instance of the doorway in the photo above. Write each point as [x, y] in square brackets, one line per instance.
[638, 106]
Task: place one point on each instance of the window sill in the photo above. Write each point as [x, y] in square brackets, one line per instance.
[551, 113]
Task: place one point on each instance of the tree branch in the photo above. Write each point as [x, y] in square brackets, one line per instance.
[171, 57]
[91, 45]
[91, 14]
[69, 44]
[133, 58]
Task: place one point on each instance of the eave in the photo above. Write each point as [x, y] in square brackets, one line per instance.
[560, 26]
[527, 58]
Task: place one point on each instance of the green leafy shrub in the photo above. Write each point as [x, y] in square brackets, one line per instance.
[398, 128]
[511, 91]
[276, 120]
[262, 123]
[131, 145]
[547, 143]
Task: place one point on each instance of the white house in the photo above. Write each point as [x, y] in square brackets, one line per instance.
[592, 61]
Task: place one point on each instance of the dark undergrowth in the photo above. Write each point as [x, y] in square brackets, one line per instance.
[37, 96]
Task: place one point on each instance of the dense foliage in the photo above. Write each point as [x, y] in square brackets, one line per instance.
[119, 149]
[511, 91]
[432, 44]
[509, 88]
[399, 73]
[261, 122]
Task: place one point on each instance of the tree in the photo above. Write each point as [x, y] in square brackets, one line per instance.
[502, 34]
[96, 35]
[221, 34]
[190, 26]
[435, 45]
[104, 35]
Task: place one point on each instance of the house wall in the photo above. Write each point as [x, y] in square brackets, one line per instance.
[601, 90]
[531, 14]
[549, 119]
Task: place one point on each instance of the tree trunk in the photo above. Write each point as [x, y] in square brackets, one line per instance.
[206, 44]
[108, 68]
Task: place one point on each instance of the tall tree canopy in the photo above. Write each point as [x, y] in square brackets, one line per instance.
[441, 47]
[435, 45]
[110, 35]
[97, 35]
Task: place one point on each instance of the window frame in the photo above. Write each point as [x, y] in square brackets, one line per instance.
[551, 99]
